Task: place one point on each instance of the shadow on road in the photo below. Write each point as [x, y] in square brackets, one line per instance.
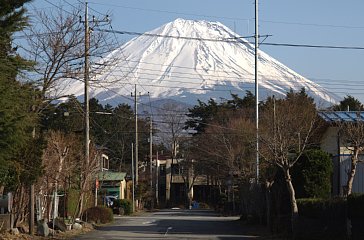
[175, 224]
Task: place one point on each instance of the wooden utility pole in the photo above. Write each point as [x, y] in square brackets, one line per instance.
[132, 176]
[31, 196]
[136, 135]
[31, 210]
[86, 97]
[157, 180]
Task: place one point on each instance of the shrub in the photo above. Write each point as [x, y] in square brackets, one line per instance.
[203, 205]
[311, 207]
[222, 199]
[312, 175]
[356, 206]
[124, 204]
[99, 214]
[321, 219]
[356, 215]
[321, 208]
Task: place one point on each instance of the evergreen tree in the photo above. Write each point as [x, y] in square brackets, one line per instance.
[349, 103]
[16, 119]
[204, 113]
[201, 114]
[12, 19]
[242, 103]
[312, 175]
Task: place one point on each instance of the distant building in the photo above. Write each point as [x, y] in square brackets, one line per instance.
[184, 185]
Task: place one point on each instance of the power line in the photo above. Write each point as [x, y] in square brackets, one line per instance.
[60, 8]
[225, 17]
[313, 46]
[268, 43]
[172, 12]
[241, 83]
[313, 24]
[147, 34]
[224, 71]
[225, 40]
[229, 40]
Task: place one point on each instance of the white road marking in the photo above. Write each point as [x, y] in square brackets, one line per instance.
[149, 222]
[169, 228]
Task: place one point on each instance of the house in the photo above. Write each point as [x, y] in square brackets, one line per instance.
[110, 184]
[331, 142]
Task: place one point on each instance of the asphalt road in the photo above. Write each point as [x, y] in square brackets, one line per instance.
[173, 224]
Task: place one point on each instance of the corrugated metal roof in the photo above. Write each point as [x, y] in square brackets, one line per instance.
[339, 116]
[111, 176]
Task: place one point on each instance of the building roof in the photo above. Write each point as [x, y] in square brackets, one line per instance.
[341, 116]
[111, 176]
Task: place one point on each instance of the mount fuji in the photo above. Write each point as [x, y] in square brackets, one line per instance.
[186, 60]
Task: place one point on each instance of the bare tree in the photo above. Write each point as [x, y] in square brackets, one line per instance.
[229, 143]
[286, 128]
[59, 164]
[56, 44]
[352, 134]
[190, 165]
[88, 171]
[64, 167]
[172, 129]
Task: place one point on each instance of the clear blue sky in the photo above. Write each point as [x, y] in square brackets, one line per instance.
[325, 22]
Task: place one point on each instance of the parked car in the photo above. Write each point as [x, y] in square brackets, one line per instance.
[109, 200]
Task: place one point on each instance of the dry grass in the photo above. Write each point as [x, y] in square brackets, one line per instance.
[58, 236]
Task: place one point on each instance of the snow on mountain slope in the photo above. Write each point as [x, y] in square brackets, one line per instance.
[202, 60]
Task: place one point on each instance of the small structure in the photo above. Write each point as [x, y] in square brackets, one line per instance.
[112, 183]
[332, 143]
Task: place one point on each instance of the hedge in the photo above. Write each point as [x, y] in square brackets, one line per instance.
[99, 214]
[125, 204]
[321, 219]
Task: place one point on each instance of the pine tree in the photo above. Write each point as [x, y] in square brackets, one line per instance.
[16, 119]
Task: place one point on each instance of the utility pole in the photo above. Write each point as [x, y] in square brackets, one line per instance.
[136, 134]
[156, 179]
[31, 210]
[86, 97]
[151, 158]
[87, 83]
[132, 175]
[256, 91]
[31, 196]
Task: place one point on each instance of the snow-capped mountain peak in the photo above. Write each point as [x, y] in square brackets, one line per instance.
[188, 60]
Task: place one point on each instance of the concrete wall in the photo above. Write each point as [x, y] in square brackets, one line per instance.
[329, 141]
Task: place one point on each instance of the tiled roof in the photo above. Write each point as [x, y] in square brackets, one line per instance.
[339, 116]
